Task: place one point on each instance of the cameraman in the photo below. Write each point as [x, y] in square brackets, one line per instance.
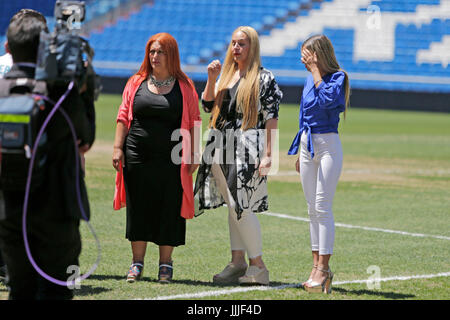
[53, 210]
[5, 65]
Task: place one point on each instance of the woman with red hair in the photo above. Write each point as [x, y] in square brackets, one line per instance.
[159, 105]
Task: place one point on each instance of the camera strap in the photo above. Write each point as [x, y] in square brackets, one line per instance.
[57, 105]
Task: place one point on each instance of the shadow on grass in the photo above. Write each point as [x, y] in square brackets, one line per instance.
[387, 295]
[108, 277]
[219, 285]
[188, 282]
[86, 290]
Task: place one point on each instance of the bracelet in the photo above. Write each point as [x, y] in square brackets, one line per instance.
[315, 83]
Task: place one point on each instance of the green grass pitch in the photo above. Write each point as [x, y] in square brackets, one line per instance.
[396, 176]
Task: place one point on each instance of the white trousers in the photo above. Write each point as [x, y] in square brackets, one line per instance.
[245, 233]
[319, 177]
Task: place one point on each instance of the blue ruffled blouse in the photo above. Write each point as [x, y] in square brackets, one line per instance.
[320, 108]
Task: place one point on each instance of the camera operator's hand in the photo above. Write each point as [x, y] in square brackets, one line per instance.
[192, 167]
[83, 88]
[117, 158]
[82, 149]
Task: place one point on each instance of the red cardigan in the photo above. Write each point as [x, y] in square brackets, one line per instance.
[190, 118]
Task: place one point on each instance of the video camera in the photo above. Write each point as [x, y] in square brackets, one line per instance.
[63, 55]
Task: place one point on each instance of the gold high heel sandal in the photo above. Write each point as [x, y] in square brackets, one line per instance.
[325, 286]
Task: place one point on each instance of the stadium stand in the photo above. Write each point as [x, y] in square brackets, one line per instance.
[9, 8]
[399, 45]
[380, 48]
[385, 45]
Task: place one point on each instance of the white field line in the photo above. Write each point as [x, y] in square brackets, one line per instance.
[294, 285]
[285, 216]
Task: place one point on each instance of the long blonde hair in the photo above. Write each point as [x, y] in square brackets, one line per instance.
[247, 97]
[326, 60]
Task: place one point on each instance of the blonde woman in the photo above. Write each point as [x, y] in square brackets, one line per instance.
[244, 105]
[325, 96]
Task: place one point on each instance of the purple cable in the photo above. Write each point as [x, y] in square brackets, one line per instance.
[77, 182]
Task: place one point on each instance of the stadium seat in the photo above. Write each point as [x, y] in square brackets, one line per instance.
[420, 45]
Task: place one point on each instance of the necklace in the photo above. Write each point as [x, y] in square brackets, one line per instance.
[163, 83]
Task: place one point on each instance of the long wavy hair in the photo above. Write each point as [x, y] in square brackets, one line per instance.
[326, 60]
[247, 97]
[170, 47]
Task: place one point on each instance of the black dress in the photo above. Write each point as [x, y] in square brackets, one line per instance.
[152, 181]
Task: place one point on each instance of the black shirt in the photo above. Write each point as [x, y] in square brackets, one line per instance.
[155, 118]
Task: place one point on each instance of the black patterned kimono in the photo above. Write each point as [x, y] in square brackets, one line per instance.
[240, 152]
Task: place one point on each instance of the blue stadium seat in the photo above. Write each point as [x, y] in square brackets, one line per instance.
[9, 8]
[402, 5]
[203, 29]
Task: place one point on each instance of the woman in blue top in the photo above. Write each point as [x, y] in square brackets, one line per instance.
[325, 95]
